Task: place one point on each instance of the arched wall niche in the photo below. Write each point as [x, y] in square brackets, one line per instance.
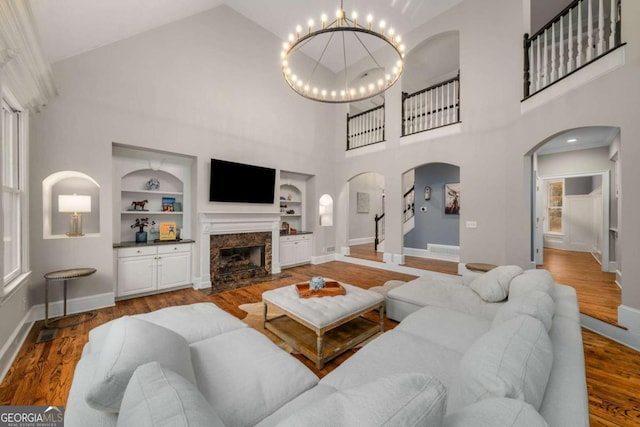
[55, 224]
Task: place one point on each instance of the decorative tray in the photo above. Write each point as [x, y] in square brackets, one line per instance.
[330, 289]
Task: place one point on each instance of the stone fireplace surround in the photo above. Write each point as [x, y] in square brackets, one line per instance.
[226, 223]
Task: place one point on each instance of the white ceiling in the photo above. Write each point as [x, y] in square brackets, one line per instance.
[71, 27]
[585, 138]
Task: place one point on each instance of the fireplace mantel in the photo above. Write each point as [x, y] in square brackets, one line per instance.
[236, 222]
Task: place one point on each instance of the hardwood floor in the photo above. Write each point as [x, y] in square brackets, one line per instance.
[598, 294]
[42, 373]
[367, 251]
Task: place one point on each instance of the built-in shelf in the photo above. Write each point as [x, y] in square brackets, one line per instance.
[155, 192]
[150, 213]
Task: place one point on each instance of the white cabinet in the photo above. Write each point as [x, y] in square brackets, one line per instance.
[295, 249]
[147, 269]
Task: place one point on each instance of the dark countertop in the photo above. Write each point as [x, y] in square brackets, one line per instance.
[299, 232]
[151, 243]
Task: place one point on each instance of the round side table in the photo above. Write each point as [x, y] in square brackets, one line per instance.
[64, 276]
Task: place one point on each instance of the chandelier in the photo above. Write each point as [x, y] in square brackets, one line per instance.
[342, 61]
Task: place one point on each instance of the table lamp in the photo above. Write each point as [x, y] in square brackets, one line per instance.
[75, 205]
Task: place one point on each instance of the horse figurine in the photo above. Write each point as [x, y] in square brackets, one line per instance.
[139, 204]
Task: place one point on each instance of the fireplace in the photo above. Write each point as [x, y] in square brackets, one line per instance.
[236, 258]
[239, 259]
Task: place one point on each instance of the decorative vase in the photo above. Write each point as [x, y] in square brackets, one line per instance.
[316, 283]
[141, 236]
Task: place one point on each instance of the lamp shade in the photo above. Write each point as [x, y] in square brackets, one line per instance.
[74, 203]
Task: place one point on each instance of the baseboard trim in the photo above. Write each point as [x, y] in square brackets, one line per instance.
[629, 317]
[619, 335]
[74, 306]
[429, 254]
[11, 348]
[361, 241]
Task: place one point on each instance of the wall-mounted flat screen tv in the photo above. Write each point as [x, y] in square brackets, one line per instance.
[241, 183]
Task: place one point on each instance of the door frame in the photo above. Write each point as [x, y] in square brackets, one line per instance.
[538, 231]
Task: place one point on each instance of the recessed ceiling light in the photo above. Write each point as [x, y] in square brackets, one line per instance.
[572, 140]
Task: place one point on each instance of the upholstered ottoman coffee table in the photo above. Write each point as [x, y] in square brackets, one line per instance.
[322, 328]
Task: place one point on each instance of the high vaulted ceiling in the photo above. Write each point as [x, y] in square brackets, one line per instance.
[70, 27]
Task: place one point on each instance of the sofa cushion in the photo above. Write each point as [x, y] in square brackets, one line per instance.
[454, 330]
[130, 343]
[157, 396]
[245, 376]
[446, 291]
[496, 412]
[194, 322]
[531, 280]
[537, 304]
[396, 400]
[493, 286]
[513, 360]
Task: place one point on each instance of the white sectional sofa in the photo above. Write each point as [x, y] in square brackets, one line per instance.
[456, 362]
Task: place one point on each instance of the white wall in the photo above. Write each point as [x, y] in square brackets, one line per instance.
[496, 138]
[362, 225]
[206, 86]
[190, 88]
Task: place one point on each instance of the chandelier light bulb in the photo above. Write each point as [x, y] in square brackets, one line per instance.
[323, 19]
[343, 94]
[352, 92]
[333, 94]
[285, 45]
[324, 93]
[294, 78]
[298, 30]
[380, 82]
[371, 87]
[310, 24]
[315, 90]
[354, 16]
[339, 13]
[398, 38]
[369, 20]
[306, 88]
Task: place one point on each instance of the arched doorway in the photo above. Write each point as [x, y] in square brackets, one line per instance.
[575, 199]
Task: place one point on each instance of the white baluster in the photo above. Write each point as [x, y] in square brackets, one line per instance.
[545, 61]
[431, 109]
[561, 59]
[571, 64]
[590, 41]
[425, 108]
[601, 43]
[449, 102]
[538, 43]
[579, 36]
[612, 24]
[455, 101]
[552, 71]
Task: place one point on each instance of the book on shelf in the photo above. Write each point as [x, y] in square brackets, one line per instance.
[168, 231]
[168, 204]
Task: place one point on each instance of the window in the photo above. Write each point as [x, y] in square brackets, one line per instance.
[555, 195]
[13, 192]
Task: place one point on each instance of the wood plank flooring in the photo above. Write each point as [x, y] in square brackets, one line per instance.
[598, 294]
[42, 373]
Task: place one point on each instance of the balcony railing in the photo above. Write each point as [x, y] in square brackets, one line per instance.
[580, 34]
[430, 108]
[365, 128]
[409, 204]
